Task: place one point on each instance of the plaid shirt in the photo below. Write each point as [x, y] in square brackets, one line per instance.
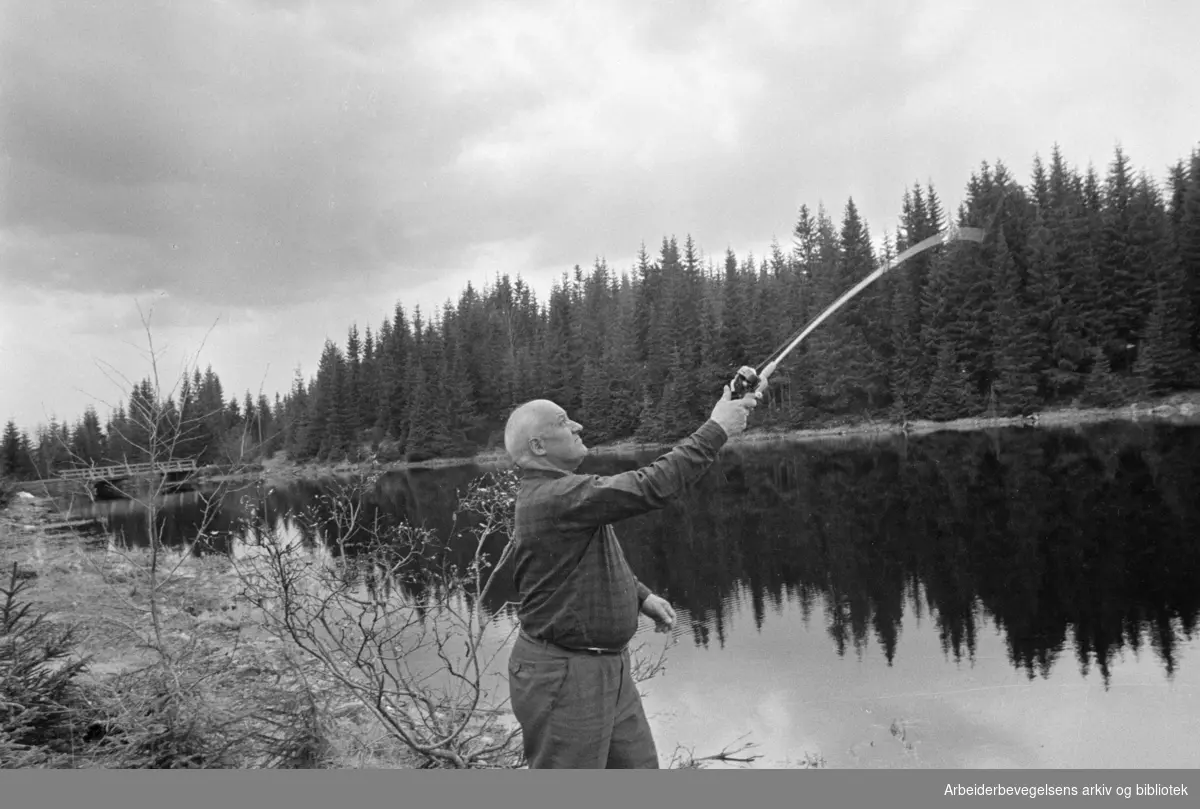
[576, 589]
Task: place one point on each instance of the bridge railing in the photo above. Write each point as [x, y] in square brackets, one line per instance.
[116, 471]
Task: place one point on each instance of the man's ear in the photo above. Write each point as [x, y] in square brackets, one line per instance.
[536, 446]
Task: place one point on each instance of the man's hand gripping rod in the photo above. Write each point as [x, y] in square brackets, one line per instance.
[747, 378]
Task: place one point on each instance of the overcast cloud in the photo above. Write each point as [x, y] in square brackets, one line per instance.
[282, 169]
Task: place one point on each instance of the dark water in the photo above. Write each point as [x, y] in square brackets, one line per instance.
[1022, 598]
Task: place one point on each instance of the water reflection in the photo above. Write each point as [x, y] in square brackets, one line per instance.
[1074, 546]
[1070, 543]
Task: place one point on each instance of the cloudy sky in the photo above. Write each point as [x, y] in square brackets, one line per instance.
[258, 174]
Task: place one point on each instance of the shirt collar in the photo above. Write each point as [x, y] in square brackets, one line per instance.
[535, 467]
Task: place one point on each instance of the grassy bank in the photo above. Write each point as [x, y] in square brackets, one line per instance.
[207, 687]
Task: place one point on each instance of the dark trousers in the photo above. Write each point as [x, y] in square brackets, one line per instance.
[578, 710]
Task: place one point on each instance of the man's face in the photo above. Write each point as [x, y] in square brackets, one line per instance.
[560, 442]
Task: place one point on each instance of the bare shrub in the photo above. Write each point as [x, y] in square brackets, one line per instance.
[395, 621]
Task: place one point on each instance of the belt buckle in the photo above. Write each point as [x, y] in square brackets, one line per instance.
[596, 650]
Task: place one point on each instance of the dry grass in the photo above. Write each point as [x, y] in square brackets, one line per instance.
[222, 694]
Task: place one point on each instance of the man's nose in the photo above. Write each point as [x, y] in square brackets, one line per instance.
[576, 427]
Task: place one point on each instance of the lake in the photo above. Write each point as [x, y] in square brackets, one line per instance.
[1005, 598]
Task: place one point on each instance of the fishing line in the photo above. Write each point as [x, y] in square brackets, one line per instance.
[747, 378]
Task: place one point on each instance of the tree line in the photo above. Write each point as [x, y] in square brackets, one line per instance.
[1086, 290]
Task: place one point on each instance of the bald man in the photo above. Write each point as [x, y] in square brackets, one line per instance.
[569, 675]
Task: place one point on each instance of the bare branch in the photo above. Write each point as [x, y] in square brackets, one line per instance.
[685, 758]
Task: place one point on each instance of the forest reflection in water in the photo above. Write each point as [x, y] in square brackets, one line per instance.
[934, 565]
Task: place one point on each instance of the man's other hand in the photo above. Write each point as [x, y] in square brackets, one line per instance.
[660, 611]
[732, 413]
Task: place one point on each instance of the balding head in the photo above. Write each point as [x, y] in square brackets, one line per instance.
[541, 430]
[526, 422]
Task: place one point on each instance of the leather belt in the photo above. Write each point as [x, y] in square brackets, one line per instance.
[590, 650]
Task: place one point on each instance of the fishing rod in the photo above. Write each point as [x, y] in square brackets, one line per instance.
[747, 377]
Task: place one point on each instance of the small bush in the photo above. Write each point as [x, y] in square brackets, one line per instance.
[160, 724]
[46, 715]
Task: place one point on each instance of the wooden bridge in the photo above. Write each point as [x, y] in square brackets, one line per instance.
[171, 469]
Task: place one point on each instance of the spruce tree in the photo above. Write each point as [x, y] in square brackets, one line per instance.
[1165, 361]
[856, 357]
[1119, 287]
[393, 389]
[428, 436]
[944, 399]
[562, 355]
[1187, 236]
[114, 434]
[10, 449]
[1151, 248]
[457, 388]
[911, 361]
[735, 315]
[1061, 281]
[323, 428]
[368, 411]
[264, 422]
[297, 430]
[620, 368]
[1103, 388]
[937, 309]
[1016, 347]
[87, 439]
[352, 388]
[597, 409]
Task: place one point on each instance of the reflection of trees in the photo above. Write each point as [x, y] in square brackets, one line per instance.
[180, 518]
[1080, 540]
[1076, 543]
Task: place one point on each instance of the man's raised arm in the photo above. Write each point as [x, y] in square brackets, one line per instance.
[596, 500]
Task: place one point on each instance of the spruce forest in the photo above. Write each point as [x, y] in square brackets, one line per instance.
[1085, 292]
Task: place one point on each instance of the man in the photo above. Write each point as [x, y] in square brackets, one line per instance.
[569, 675]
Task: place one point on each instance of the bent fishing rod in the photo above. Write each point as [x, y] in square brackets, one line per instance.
[747, 378]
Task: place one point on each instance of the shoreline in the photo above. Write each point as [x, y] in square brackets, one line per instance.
[1181, 408]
